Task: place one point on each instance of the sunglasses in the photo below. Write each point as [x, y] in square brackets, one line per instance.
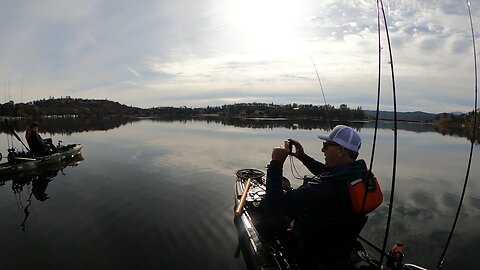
[327, 144]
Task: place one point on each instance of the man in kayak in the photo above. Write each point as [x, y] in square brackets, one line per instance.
[325, 225]
[38, 146]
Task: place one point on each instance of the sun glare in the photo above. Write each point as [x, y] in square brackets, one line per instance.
[265, 24]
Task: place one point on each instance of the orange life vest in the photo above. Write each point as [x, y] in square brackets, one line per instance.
[364, 204]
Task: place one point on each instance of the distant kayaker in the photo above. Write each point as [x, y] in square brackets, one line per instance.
[38, 146]
[324, 222]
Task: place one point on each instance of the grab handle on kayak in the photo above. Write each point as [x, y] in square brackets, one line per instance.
[241, 203]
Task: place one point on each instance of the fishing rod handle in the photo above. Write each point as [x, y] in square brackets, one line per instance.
[241, 203]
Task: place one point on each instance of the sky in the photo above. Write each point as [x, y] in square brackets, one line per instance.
[200, 53]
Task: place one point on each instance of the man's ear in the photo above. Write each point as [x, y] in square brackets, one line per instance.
[342, 151]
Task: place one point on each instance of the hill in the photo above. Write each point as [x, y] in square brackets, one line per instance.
[96, 107]
[91, 107]
[67, 106]
[416, 116]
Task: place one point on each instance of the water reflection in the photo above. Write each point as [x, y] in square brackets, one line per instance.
[36, 181]
[68, 125]
[311, 124]
[475, 202]
[162, 191]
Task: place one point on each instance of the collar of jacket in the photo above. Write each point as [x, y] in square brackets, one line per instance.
[348, 171]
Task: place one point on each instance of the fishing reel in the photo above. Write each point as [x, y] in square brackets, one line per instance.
[254, 174]
[249, 184]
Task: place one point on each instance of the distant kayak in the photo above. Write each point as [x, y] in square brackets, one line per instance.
[20, 161]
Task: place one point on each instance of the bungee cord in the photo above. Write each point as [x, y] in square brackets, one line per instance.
[395, 134]
[475, 109]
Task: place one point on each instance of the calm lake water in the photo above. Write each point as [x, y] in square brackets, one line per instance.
[159, 195]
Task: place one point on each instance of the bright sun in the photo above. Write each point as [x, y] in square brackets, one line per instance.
[265, 24]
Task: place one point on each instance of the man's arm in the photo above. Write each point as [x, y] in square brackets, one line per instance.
[315, 167]
[295, 201]
[277, 202]
[39, 140]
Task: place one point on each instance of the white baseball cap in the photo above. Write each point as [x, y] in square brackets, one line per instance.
[344, 136]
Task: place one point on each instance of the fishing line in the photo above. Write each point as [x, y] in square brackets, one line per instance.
[395, 135]
[475, 109]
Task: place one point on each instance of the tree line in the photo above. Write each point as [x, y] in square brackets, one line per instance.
[460, 125]
[92, 107]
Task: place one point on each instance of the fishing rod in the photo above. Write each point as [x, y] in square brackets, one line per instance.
[323, 94]
[377, 111]
[372, 245]
[395, 134]
[250, 175]
[243, 199]
[15, 134]
[293, 169]
[475, 109]
[369, 181]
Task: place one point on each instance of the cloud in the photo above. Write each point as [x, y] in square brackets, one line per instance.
[218, 51]
[134, 72]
